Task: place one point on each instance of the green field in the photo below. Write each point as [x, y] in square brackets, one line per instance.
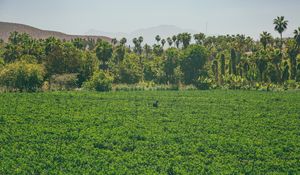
[191, 132]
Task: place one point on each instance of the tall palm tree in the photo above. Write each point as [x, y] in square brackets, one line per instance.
[123, 41]
[199, 37]
[163, 42]
[170, 41]
[114, 41]
[265, 39]
[157, 38]
[280, 26]
[297, 36]
[174, 38]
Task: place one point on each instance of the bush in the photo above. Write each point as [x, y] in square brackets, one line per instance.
[100, 81]
[22, 76]
[203, 83]
[235, 82]
[63, 82]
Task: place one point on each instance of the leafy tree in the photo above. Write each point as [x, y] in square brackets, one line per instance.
[123, 41]
[174, 39]
[114, 41]
[185, 39]
[104, 52]
[170, 41]
[193, 60]
[222, 59]
[233, 61]
[285, 74]
[78, 43]
[292, 50]
[157, 50]
[200, 37]
[22, 76]
[261, 63]
[119, 53]
[171, 61]
[89, 64]
[276, 57]
[100, 81]
[280, 26]
[157, 38]
[297, 37]
[163, 42]
[147, 50]
[130, 70]
[215, 69]
[265, 39]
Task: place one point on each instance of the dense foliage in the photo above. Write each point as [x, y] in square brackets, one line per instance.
[210, 61]
[190, 132]
[22, 75]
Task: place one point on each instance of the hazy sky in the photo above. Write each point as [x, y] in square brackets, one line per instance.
[249, 17]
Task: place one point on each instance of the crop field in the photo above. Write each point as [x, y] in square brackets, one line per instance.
[190, 132]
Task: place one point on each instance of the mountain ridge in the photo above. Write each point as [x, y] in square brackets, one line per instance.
[7, 27]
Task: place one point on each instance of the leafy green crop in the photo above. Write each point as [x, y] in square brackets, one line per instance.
[191, 132]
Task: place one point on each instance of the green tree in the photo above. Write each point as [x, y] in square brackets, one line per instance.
[285, 74]
[223, 64]
[130, 70]
[114, 41]
[22, 76]
[163, 42]
[215, 70]
[280, 26]
[171, 61]
[170, 41]
[157, 38]
[292, 50]
[265, 39]
[261, 63]
[185, 39]
[233, 61]
[192, 63]
[297, 36]
[123, 41]
[174, 39]
[100, 81]
[104, 52]
[199, 38]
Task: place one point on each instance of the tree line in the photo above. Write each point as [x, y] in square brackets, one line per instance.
[231, 61]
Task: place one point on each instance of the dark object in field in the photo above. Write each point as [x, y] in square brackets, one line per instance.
[155, 104]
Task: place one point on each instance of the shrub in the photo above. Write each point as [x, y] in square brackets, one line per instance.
[100, 81]
[63, 81]
[203, 83]
[235, 82]
[22, 76]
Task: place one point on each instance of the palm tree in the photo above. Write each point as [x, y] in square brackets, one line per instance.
[199, 38]
[280, 26]
[170, 41]
[163, 42]
[184, 38]
[123, 41]
[114, 41]
[157, 38]
[297, 36]
[174, 38]
[141, 39]
[265, 39]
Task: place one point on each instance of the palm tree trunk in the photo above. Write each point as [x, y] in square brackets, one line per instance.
[281, 42]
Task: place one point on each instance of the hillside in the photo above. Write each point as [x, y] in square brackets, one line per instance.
[6, 28]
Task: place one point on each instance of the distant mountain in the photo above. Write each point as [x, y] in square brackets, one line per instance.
[6, 28]
[148, 33]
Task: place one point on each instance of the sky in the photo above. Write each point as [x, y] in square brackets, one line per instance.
[213, 17]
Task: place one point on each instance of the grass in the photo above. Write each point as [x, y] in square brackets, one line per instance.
[191, 132]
